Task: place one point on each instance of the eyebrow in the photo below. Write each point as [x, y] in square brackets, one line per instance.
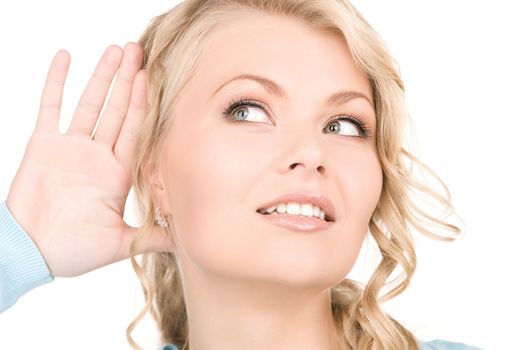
[337, 98]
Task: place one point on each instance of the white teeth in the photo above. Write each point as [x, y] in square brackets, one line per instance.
[270, 209]
[307, 209]
[294, 208]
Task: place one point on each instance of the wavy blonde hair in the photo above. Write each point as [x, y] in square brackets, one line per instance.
[172, 44]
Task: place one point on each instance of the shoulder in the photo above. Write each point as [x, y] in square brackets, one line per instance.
[441, 344]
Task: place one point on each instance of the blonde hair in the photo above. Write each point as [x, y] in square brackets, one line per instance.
[172, 44]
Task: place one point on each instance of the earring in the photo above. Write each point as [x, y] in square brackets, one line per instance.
[159, 219]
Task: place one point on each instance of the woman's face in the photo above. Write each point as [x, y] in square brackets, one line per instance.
[217, 173]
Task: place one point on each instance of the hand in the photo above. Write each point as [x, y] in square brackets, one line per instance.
[70, 189]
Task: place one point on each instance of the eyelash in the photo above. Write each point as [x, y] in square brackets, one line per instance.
[364, 130]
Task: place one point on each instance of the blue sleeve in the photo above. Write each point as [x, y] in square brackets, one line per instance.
[436, 344]
[22, 267]
[441, 344]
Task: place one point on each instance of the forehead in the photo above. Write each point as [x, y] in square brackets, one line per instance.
[282, 49]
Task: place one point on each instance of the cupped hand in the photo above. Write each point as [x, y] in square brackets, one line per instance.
[70, 189]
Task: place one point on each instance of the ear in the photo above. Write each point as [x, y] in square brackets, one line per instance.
[158, 190]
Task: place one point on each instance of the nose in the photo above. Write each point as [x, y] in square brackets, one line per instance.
[304, 153]
[320, 168]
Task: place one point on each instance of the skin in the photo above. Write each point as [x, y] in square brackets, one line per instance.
[69, 192]
[249, 284]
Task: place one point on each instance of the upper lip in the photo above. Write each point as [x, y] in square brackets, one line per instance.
[305, 197]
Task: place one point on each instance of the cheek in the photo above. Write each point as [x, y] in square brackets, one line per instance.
[360, 193]
[362, 186]
[360, 180]
[210, 178]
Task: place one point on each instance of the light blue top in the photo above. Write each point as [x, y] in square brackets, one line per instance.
[23, 268]
[436, 344]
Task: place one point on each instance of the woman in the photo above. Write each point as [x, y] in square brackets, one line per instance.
[256, 114]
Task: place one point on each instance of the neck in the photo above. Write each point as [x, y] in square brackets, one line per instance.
[228, 314]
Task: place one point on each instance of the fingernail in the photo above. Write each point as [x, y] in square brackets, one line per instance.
[113, 53]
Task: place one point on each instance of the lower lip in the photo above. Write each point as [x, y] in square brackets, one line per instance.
[298, 223]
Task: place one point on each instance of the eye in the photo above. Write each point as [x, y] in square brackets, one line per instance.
[236, 111]
[353, 122]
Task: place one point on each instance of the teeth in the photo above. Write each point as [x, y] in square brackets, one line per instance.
[293, 208]
[307, 209]
[269, 210]
[297, 209]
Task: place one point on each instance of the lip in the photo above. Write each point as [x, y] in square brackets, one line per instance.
[298, 223]
[305, 197]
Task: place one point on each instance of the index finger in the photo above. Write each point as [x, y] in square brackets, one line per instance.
[51, 99]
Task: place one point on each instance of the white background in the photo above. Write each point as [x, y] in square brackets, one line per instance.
[463, 66]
